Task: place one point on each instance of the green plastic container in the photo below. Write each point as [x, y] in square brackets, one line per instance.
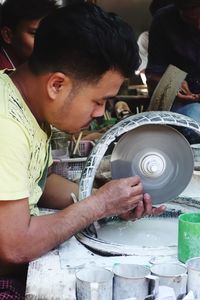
[188, 236]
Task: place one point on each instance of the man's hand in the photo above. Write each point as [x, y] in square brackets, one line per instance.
[118, 196]
[144, 208]
[185, 94]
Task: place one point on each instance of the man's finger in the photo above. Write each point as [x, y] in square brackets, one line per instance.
[156, 211]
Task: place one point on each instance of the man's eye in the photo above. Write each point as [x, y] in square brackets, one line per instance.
[32, 33]
[100, 103]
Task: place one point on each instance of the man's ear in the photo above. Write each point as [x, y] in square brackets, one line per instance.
[59, 84]
[6, 34]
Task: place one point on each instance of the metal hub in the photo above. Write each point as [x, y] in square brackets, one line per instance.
[152, 164]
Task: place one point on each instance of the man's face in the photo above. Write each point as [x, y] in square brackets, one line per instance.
[87, 102]
[22, 40]
[192, 16]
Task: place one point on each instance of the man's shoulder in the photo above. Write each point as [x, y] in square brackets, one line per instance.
[8, 91]
[12, 106]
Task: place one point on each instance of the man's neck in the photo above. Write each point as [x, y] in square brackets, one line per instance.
[27, 85]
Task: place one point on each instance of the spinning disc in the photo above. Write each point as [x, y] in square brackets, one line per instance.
[160, 155]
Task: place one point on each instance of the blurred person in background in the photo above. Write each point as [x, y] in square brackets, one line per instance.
[143, 39]
[174, 38]
[155, 5]
[19, 22]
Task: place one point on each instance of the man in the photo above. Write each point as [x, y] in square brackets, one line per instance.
[80, 58]
[155, 5]
[143, 39]
[19, 21]
[174, 38]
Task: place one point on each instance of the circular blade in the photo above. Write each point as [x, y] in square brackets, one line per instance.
[160, 155]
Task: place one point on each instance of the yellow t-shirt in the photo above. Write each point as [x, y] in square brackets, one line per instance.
[24, 148]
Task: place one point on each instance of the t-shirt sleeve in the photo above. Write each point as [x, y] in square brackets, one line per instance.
[14, 161]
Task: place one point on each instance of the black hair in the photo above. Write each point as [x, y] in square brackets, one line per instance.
[184, 4]
[15, 11]
[84, 42]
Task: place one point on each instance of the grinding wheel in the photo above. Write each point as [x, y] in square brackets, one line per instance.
[160, 155]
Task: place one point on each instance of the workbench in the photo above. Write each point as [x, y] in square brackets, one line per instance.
[52, 276]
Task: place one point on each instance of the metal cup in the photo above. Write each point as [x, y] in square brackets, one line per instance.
[94, 283]
[193, 265]
[196, 152]
[173, 275]
[132, 280]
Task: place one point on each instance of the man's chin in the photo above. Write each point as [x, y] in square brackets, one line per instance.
[78, 130]
[75, 130]
[85, 127]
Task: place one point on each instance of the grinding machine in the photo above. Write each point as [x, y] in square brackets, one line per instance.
[149, 145]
